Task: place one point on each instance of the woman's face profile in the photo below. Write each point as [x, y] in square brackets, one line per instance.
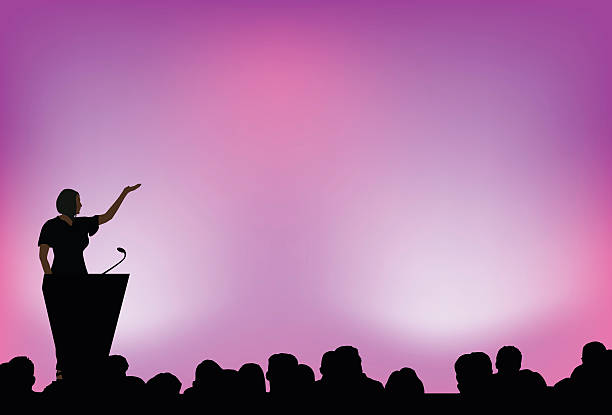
[78, 203]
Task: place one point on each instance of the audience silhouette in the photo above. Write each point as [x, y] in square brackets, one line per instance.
[474, 372]
[162, 392]
[252, 386]
[343, 385]
[404, 390]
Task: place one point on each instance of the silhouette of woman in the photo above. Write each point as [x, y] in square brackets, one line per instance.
[67, 234]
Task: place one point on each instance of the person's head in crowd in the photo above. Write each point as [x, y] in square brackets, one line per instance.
[532, 382]
[462, 372]
[282, 372]
[21, 370]
[593, 354]
[328, 365]
[348, 361]
[117, 366]
[482, 363]
[508, 360]
[473, 372]
[252, 379]
[305, 376]
[404, 384]
[564, 387]
[208, 375]
[163, 386]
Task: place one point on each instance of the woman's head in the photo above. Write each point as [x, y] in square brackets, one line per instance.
[68, 203]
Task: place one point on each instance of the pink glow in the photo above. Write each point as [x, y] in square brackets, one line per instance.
[316, 176]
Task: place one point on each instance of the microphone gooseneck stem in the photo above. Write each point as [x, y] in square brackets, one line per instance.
[124, 255]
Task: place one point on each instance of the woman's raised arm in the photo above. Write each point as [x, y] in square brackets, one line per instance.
[110, 213]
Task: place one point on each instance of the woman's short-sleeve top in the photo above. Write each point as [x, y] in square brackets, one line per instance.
[68, 242]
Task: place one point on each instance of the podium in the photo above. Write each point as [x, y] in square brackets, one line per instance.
[83, 312]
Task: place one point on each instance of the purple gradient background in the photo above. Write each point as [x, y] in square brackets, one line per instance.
[417, 179]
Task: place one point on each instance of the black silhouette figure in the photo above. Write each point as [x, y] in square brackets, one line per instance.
[119, 386]
[230, 385]
[404, 390]
[323, 388]
[17, 379]
[589, 378]
[506, 382]
[252, 386]
[206, 389]
[116, 367]
[513, 386]
[590, 383]
[305, 377]
[351, 384]
[253, 380]
[21, 370]
[474, 373]
[67, 233]
[344, 388]
[162, 392]
[282, 374]
[532, 383]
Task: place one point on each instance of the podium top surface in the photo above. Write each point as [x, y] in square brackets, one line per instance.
[84, 275]
[85, 278]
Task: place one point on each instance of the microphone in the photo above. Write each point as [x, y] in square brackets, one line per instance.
[124, 255]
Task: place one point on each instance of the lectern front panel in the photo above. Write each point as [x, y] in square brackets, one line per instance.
[83, 312]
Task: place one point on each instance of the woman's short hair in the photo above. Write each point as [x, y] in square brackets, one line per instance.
[66, 202]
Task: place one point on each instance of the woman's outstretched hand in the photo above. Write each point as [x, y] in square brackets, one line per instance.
[129, 189]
